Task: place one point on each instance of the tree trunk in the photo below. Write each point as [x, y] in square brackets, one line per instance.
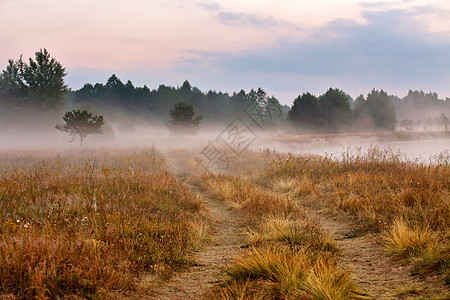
[81, 141]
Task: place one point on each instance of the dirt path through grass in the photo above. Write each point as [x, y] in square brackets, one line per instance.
[370, 267]
[199, 280]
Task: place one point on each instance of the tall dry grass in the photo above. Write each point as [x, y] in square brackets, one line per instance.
[407, 201]
[90, 224]
[288, 256]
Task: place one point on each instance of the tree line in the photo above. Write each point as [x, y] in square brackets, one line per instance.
[116, 96]
[37, 85]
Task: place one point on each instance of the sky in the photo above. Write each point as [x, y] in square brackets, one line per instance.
[287, 47]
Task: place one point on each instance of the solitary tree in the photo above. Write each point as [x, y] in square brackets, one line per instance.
[81, 123]
[182, 120]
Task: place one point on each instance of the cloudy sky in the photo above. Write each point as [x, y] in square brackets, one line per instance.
[285, 46]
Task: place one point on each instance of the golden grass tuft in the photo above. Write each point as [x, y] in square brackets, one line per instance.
[295, 274]
[279, 228]
[246, 290]
[284, 186]
[293, 187]
[325, 282]
[405, 241]
[294, 230]
[424, 248]
[244, 196]
[276, 265]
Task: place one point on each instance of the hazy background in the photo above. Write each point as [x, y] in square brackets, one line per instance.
[216, 55]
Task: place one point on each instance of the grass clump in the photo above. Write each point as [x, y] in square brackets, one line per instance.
[422, 247]
[405, 241]
[247, 198]
[294, 274]
[325, 282]
[298, 231]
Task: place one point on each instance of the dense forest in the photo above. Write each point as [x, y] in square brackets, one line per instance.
[35, 91]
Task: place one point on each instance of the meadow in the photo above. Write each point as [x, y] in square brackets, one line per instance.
[95, 223]
[402, 205]
[406, 202]
[119, 223]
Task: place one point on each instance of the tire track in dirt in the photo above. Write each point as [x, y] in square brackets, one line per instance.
[199, 281]
[368, 263]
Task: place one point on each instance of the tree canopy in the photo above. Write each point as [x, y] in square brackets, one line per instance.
[38, 83]
[183, 120]
[81, 123]
[377, 112]
[334, 111]
[305, 112]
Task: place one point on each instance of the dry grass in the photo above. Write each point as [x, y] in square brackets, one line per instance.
[246, 289]
[239, 193]
[325, 282]
[404, 241]
[294, 230]
[376, 187]
[419, 245]
[293, 187]
[287, 252]
[383, 193]
[75, 225]
[294, 273]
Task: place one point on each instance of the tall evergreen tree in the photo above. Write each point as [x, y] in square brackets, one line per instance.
[45, 79]
[40, 83]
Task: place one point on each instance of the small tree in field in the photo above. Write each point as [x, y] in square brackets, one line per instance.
[81, 123]
[182, 121]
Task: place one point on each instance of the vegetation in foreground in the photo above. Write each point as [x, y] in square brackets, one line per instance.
[288, 256]
[73, 225]
[406, 202]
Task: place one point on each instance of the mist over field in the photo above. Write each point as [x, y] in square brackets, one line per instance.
[39, 110]
[212, 149]
[332, 123]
